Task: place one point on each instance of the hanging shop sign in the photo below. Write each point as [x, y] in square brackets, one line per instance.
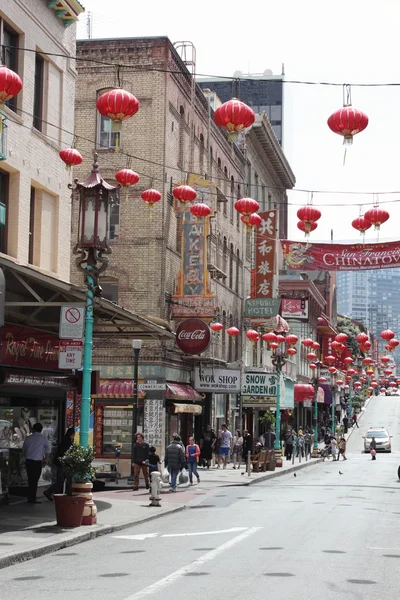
[303, 256]
[193, 336]
[262, 307]
[294, 308]
[265, 252]
[215, 380]
[72, 322]
[259, 384]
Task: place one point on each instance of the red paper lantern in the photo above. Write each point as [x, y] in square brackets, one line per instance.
[291, 351]
[216, 327]
[377, 216]
[10, 84]
[269, 337]
[388, 334]
[388, 371]
[362, 338]
[117, 104]
[332, 370]
[291, 339]
[329, 360]
[367, 360]
[274, 345]
[233, 331]
[392, 383]
[339, 382]
[351, 372]
[347, 121]
[252, 335]
[367, 345]
[322, 379]
[346, 387]
[393, 342]
[311, 356]
[374, 384]
[315, 345]
[151, 197]
[309, 215]
[389, 348]
[253, 220]
[337, 347]
[200, 210]
[246, 206]
[307, 342]
[307, 228]
[385, 359]
[234, 116]
[313, 366]
[382, 390]
[361, 224]
[184, 193]
[342, 338]
[348, 360]
[127, 177]
[71, 157]
[280, 338]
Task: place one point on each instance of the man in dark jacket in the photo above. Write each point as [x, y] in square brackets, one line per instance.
[174, 460]
[140, 460]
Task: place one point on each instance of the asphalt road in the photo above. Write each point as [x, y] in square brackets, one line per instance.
[321, 535]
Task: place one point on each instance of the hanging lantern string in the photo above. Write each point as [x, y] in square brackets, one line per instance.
[346, 94]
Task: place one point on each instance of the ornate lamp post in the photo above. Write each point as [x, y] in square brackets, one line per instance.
[95, 196]
[314, 383]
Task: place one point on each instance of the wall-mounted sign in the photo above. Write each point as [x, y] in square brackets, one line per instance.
[72, 321]
[294, 308]
[29, 348]
[70, 354]
[259, 384]
[265, 253]
[261, 403]
[262, 307]
[214, 380]
[193, 336]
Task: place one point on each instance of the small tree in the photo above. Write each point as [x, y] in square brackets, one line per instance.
[77, 464]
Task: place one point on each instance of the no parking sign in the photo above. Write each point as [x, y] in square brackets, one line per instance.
[72, 320]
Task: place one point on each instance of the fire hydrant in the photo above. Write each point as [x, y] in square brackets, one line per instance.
[155, 489]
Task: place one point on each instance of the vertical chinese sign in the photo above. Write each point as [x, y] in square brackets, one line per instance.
[265, 256]
[193, 297]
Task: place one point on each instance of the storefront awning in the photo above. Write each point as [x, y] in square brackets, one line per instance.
[182, 391]
[117, 388]
[303, 391]
[194, 409]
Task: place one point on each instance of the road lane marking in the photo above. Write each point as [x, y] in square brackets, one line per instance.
[140, 536]
[190, 568]
[232, 530]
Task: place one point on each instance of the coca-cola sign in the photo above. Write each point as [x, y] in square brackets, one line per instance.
[193, 336]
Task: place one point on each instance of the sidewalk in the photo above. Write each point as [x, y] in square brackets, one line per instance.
[28, 531]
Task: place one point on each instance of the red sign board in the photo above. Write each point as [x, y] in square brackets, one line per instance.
[340, 257]
[193, 336]
[29, 348]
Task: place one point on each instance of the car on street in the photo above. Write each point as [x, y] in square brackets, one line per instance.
[382, 438]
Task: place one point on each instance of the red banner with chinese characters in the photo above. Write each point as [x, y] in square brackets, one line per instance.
[305, 256]
[265, 256]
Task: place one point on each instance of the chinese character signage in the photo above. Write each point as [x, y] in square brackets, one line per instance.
[193, 296]
[153, 421]
[265, 256]
[294, 308]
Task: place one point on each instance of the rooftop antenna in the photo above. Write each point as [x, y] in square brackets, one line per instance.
[89, 25]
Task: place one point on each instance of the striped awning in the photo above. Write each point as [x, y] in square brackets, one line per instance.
[183, 392]
[117, 388]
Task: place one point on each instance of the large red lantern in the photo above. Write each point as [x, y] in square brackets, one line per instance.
[252, 335]
[269, 337]
[216, 327]
[246, 206]
[388, 334]
[377, 216]
[361, 224]
[313, 366]
[347, 121]
[200, 210]
[394, 343]
[329, 360]
[184, 193]
[348, 360]
[307, 342]
[309, 215]
[71, 157]
[117, 105]
[342, 338]
[332, 370]
[339, 382]
[253, 220]
[291, 339]
[233, 331]
[337, 347]
[311, 356]
[10, 84]
[127, 177]
[234, 116]
[362, 338]
[151, 197]
[307, 228]
[367, 345]
[291, 351]
[385, 359]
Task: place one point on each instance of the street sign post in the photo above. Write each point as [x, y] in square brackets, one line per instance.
[70, 354]
[72, 322]
[151, 386]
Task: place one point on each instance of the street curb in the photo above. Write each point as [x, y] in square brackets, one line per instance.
[41, 550]
[273, 474]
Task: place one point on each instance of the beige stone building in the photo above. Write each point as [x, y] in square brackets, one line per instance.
[172, 138]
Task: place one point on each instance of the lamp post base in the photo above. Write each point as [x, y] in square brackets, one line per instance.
[314, 453]
[278, 458]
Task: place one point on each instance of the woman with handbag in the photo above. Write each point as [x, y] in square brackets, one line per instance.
[192, 456]
[237, 448]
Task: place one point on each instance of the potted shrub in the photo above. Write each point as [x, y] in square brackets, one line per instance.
[77, 464]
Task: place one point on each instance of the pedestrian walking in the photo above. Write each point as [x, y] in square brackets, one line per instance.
[36, 450]
[207, 443]
[346, 423]
[342, 448]
[192, 456]
[355, 420]
[334, 449]
[289, 445]
[154, 461]
[140, 460]
[225, 445]
[237, 448]
[269, 440]
[57, 487]
[372, 448]
[247, 445]
[174, 460]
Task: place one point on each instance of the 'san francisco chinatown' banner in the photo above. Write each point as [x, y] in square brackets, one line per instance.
[340, 257]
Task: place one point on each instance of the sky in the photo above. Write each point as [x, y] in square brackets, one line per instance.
[348, 41]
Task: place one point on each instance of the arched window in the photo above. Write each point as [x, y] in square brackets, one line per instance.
[237, 214]
[225, 256]
[237, 278]
[232, 199]
[181, 151]
[225, 190]
[211, 165]
[201, 158]
[231, 258]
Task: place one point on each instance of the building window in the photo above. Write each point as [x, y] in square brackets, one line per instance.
[107, 139]
[230, 341]
[38, 98]
[225, 256]
[113, 222]
[110, 290]
[31, 251]
[181, 151]
[237, 213]
[201, 160]
[225, 190]
[10, 41]
[223, 335]
[4, 190]
[237, 278]
[231, 258]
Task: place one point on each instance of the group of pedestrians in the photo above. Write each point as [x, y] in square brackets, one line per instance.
[335, 446]
[224, 445]
[297, 443]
